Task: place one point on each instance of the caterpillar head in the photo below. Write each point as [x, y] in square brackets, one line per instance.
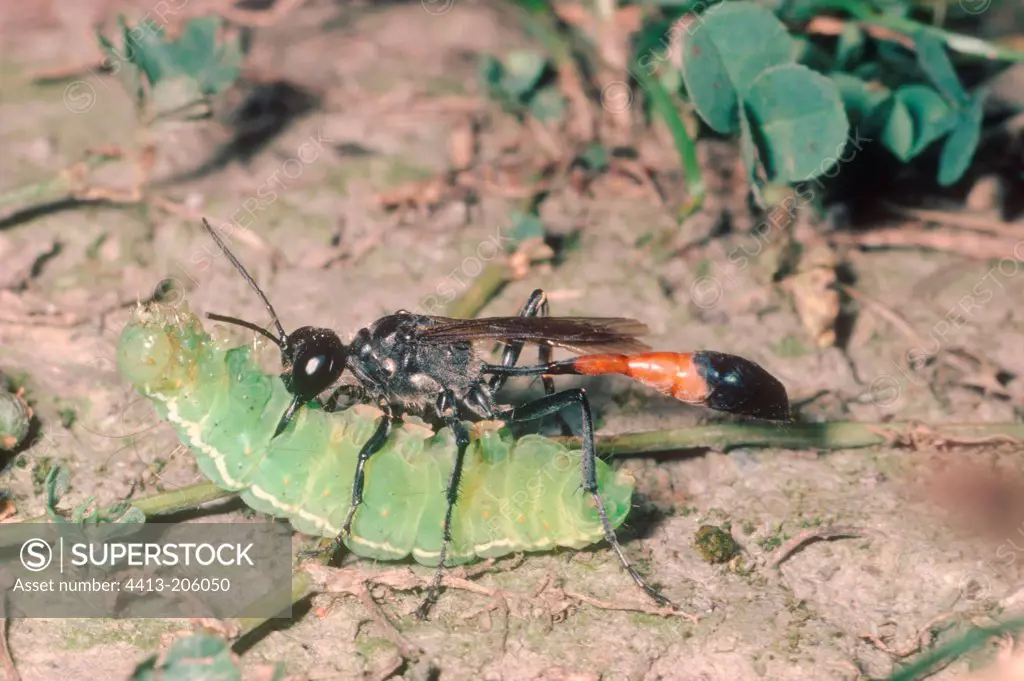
[159, 346]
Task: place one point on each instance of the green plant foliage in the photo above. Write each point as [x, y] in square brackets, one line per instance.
[933, 60]
[748, 152]
[180, 73]
[898, 131]
[58, 484]
[15, 420]
[198, 657]
[850, 46]
[797, 123]
[859, 97]
[718, 68]
[738, 68]
[801, 118]
[518, 83]
[524, 226]
[595, 157]
[516, 495]
[959, 149]
[521, 72]
[916, 116]
[661, 83]
[664, 104]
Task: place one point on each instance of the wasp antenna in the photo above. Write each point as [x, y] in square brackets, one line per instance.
[249, 325]
[252, 282]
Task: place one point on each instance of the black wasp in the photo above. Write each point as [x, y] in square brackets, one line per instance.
[411, 363]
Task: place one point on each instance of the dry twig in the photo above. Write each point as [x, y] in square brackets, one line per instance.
[408, 649]
[959, 220]
[833, 26]
[806, 537]
[631, 607]
[922, 638]
[5, 653]
[979, 246]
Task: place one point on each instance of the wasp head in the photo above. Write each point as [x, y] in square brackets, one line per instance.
[317, 357]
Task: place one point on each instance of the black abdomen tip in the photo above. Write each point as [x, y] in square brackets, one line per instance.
[739, 386]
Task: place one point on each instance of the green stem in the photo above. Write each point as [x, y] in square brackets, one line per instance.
[184, 499]
[975, 638]
[53, 188]
[820, 436]
[865, 13]
[663, 104]
[490, 281]
[302, 586]
[164, 503]
[479, 292]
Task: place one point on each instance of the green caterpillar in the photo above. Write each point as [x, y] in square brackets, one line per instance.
[516, 495]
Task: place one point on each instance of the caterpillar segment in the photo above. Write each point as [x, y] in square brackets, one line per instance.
[515, 495]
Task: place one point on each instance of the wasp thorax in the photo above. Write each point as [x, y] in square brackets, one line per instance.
[317, 357]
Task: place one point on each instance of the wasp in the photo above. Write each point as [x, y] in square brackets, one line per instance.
[428, 365]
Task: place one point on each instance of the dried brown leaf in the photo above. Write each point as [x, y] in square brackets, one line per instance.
[814, 293]
[987, 195]
[978, 246]
[462, 144]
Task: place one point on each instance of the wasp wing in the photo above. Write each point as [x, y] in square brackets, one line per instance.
[581, 335]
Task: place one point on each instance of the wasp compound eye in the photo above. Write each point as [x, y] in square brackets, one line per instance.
[318, 357]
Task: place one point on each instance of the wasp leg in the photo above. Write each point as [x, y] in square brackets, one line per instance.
[536, 306]
[356, 394]
[380, 436]
[551, 404]
[369, 448]
[446, 408]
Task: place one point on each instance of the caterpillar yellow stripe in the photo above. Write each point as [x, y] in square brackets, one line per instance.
[516, 495]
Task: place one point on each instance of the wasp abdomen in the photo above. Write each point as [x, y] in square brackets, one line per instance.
[670, 373]
[713, 379]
